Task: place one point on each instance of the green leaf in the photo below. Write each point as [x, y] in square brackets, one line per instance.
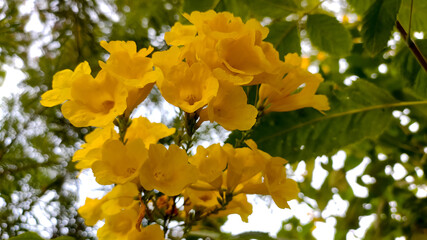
[420, 85]
[197, 5]
[272, 8]
[238, 7]
[329, 35]
[360, 6]
[419, 19]
[357, 112]
[64, 238]
[285, 37]
[253, 235]
[27, 236]
[378, 24]
[410, 69]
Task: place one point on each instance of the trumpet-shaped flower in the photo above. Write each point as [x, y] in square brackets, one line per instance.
[61, 85]
[120, 163]
[223, 25]
[204, 199]
[137, 96]
[133, 68]
[149, 132]
[189, 87]
[271, 181]
[88, 109]
[284, 93]
[91, 211]
[180, 34]
[151, 232]
[280, 188]
[91, 150]
[230, 109]
[167, 170]
[239, 205]
[82, 107]
[211, 162]
[121, 197]
[244, 164]
[118, 226]
[242, 55]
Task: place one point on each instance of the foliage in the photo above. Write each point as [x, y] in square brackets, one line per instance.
[375, 114]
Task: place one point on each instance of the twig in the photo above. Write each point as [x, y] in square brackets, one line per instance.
[412, 46]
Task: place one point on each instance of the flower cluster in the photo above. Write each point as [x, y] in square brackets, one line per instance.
[203, 73]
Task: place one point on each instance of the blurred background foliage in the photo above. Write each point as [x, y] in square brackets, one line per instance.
[377, 123]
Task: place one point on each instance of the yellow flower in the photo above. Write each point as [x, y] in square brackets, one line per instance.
[239, 205]
[121, 197]
[140, 128]
[88, 109]
[203, 49]
[165, 60]
[91, 150]
[205, 199]
[242, 55]
[149, 132]
[281, 189]
[118, 226]
[61, 85]
[120, 163]
[151, 232]
[223, 25]
[244, 164]
[91, 211]
[230, 109]
[271, 181]
[211, 163]
[133, 68]
[137, 96]
[180, 34]
[282, 95]
[167, 170]
[189, 87]
[82, 107]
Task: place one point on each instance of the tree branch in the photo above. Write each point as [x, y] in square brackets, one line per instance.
[412, 46]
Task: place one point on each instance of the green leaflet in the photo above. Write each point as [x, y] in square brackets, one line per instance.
[378, 24]
[197, 5]
[27, 236]
[360, 6]
[238, 7]
[419, 19]
[410, 69]
[329, 35]
[273, 8]
[420, 85]
[358, 112]
[285, 37]
[35, 236]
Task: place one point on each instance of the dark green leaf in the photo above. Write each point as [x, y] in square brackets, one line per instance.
[27, 236]
[285, 37]
[272, 8]
[360, 6]
[329, 35]
[420, 85]
[378, 24]
[253, 235]
[419, 19]
[238, 7]
[64, 238]
[410, 69]
[197, 5]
